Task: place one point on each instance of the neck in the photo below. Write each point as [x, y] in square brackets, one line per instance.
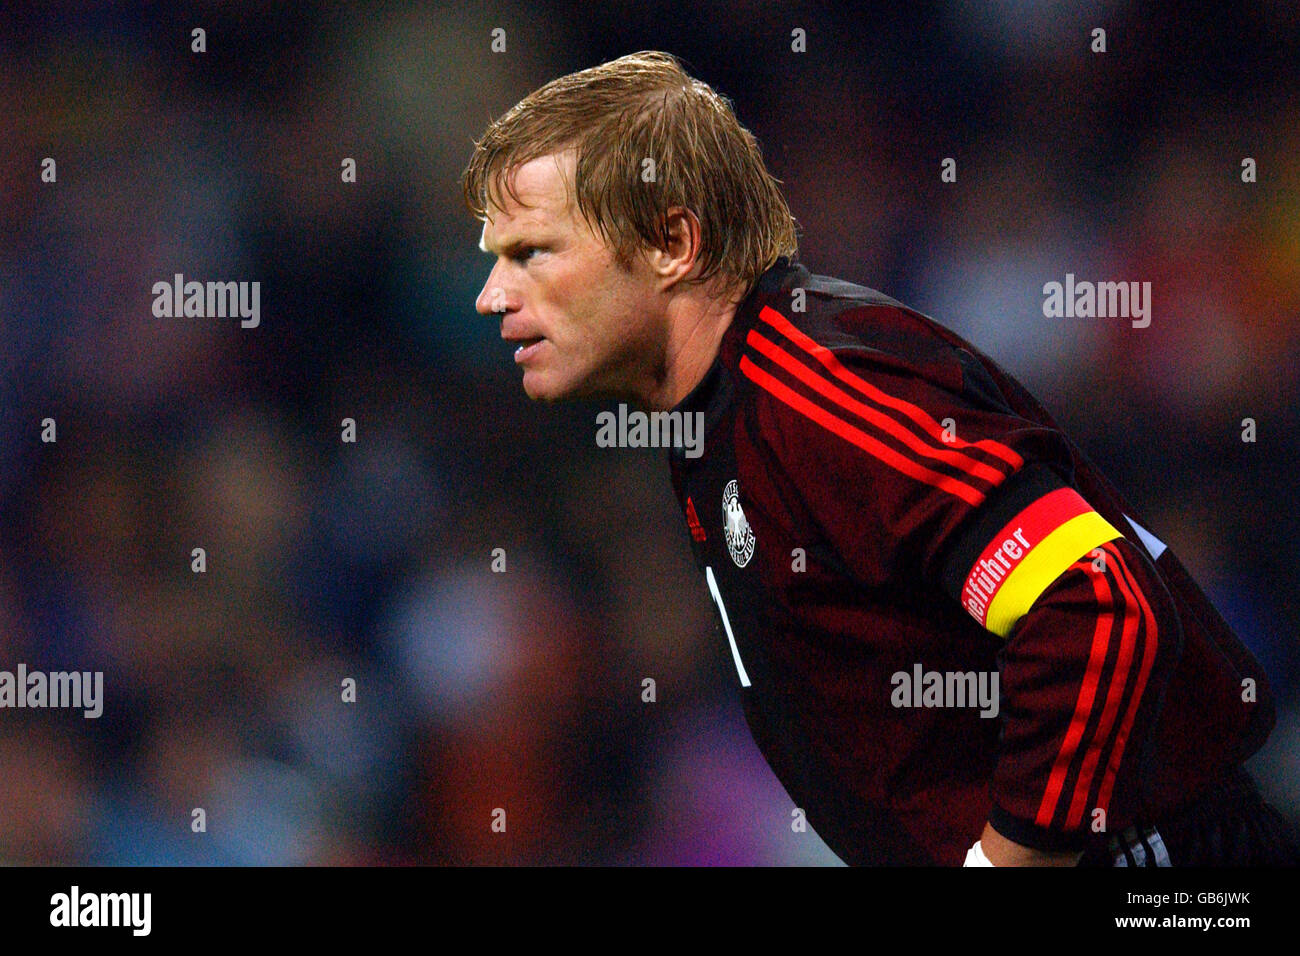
[694, 336]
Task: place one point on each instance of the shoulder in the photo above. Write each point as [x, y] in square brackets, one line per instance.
[825, 323]
[819, 356]
[863, 393]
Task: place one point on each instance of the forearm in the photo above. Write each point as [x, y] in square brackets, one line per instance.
[1081, 685]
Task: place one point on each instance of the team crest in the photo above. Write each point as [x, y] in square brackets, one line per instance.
[735, 527]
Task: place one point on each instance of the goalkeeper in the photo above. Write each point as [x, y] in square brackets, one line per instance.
[877, 506]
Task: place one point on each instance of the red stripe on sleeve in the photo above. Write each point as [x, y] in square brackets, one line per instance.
[918, 415]
[1114, 695]
[947, 454]
[858, 437]
[1083, 704]
[1148, 660]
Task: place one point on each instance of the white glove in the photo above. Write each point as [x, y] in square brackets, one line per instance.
[975, 856]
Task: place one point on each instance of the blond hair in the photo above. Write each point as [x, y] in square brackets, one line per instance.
[618, 115]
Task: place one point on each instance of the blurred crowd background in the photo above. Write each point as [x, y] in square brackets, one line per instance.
[523, 690]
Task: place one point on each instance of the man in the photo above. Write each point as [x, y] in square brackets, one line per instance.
[955, 642]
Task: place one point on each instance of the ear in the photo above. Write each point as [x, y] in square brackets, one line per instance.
[682, 236]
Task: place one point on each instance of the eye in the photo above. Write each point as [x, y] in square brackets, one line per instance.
[524, 253]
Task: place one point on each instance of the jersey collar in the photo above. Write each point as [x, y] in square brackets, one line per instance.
[713, 394]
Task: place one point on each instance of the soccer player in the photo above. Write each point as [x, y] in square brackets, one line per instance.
[954, 641]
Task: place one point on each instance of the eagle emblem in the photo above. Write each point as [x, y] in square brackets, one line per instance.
[735, 527]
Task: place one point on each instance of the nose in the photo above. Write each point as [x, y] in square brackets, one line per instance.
[493, 299]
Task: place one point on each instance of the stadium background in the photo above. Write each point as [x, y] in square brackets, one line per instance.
[522, 690]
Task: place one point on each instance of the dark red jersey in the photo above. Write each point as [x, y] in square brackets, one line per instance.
[888, 523]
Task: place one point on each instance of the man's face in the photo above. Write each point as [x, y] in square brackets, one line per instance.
[583, 325]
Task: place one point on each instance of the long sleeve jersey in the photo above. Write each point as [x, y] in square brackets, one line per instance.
[888, 524]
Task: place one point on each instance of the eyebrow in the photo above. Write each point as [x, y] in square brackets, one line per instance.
[507, 248]
[512, 244]
[482, 243]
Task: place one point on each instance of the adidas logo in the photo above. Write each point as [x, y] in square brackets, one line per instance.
[693, 521]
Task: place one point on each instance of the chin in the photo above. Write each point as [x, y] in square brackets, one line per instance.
[551, 388]
[540, 388]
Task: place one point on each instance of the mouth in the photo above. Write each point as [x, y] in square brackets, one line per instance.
[526, 348]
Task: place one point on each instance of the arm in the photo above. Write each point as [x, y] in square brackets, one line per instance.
[988, 513]
[1083, 672]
